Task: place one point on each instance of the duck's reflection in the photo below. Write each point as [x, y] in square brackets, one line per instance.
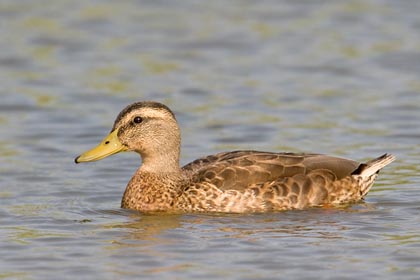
[160, 228]
[152, 244]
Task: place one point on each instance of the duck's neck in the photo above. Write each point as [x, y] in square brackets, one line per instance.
[161, 160]
[157, 183]
[160, 164]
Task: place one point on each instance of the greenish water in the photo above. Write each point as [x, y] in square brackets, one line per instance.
[334, 77]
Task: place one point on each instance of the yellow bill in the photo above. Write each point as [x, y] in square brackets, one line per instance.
[109, 146]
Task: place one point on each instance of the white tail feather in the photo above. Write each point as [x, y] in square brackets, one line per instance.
[373, 166]
[367, 172]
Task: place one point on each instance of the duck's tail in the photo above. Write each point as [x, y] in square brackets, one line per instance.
[368, 171]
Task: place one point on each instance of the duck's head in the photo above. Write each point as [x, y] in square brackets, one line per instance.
[148, 128]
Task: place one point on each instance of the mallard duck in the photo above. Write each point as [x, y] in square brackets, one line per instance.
[238, 181]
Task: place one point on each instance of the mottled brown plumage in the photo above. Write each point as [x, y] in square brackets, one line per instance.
[239, 181]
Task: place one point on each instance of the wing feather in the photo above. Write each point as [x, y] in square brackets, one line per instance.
[240, 169]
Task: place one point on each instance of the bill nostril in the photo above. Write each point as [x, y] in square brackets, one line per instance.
[107, 142]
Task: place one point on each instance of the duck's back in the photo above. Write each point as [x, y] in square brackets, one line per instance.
[240, 169]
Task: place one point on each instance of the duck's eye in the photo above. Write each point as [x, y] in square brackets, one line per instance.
[137, 119]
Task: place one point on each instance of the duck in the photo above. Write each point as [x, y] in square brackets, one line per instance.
[239, 181]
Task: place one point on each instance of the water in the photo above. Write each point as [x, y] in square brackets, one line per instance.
[335, 77]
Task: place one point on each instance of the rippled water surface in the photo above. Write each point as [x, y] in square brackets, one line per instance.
[334, 77]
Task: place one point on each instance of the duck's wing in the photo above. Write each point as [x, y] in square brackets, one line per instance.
[239, 169]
